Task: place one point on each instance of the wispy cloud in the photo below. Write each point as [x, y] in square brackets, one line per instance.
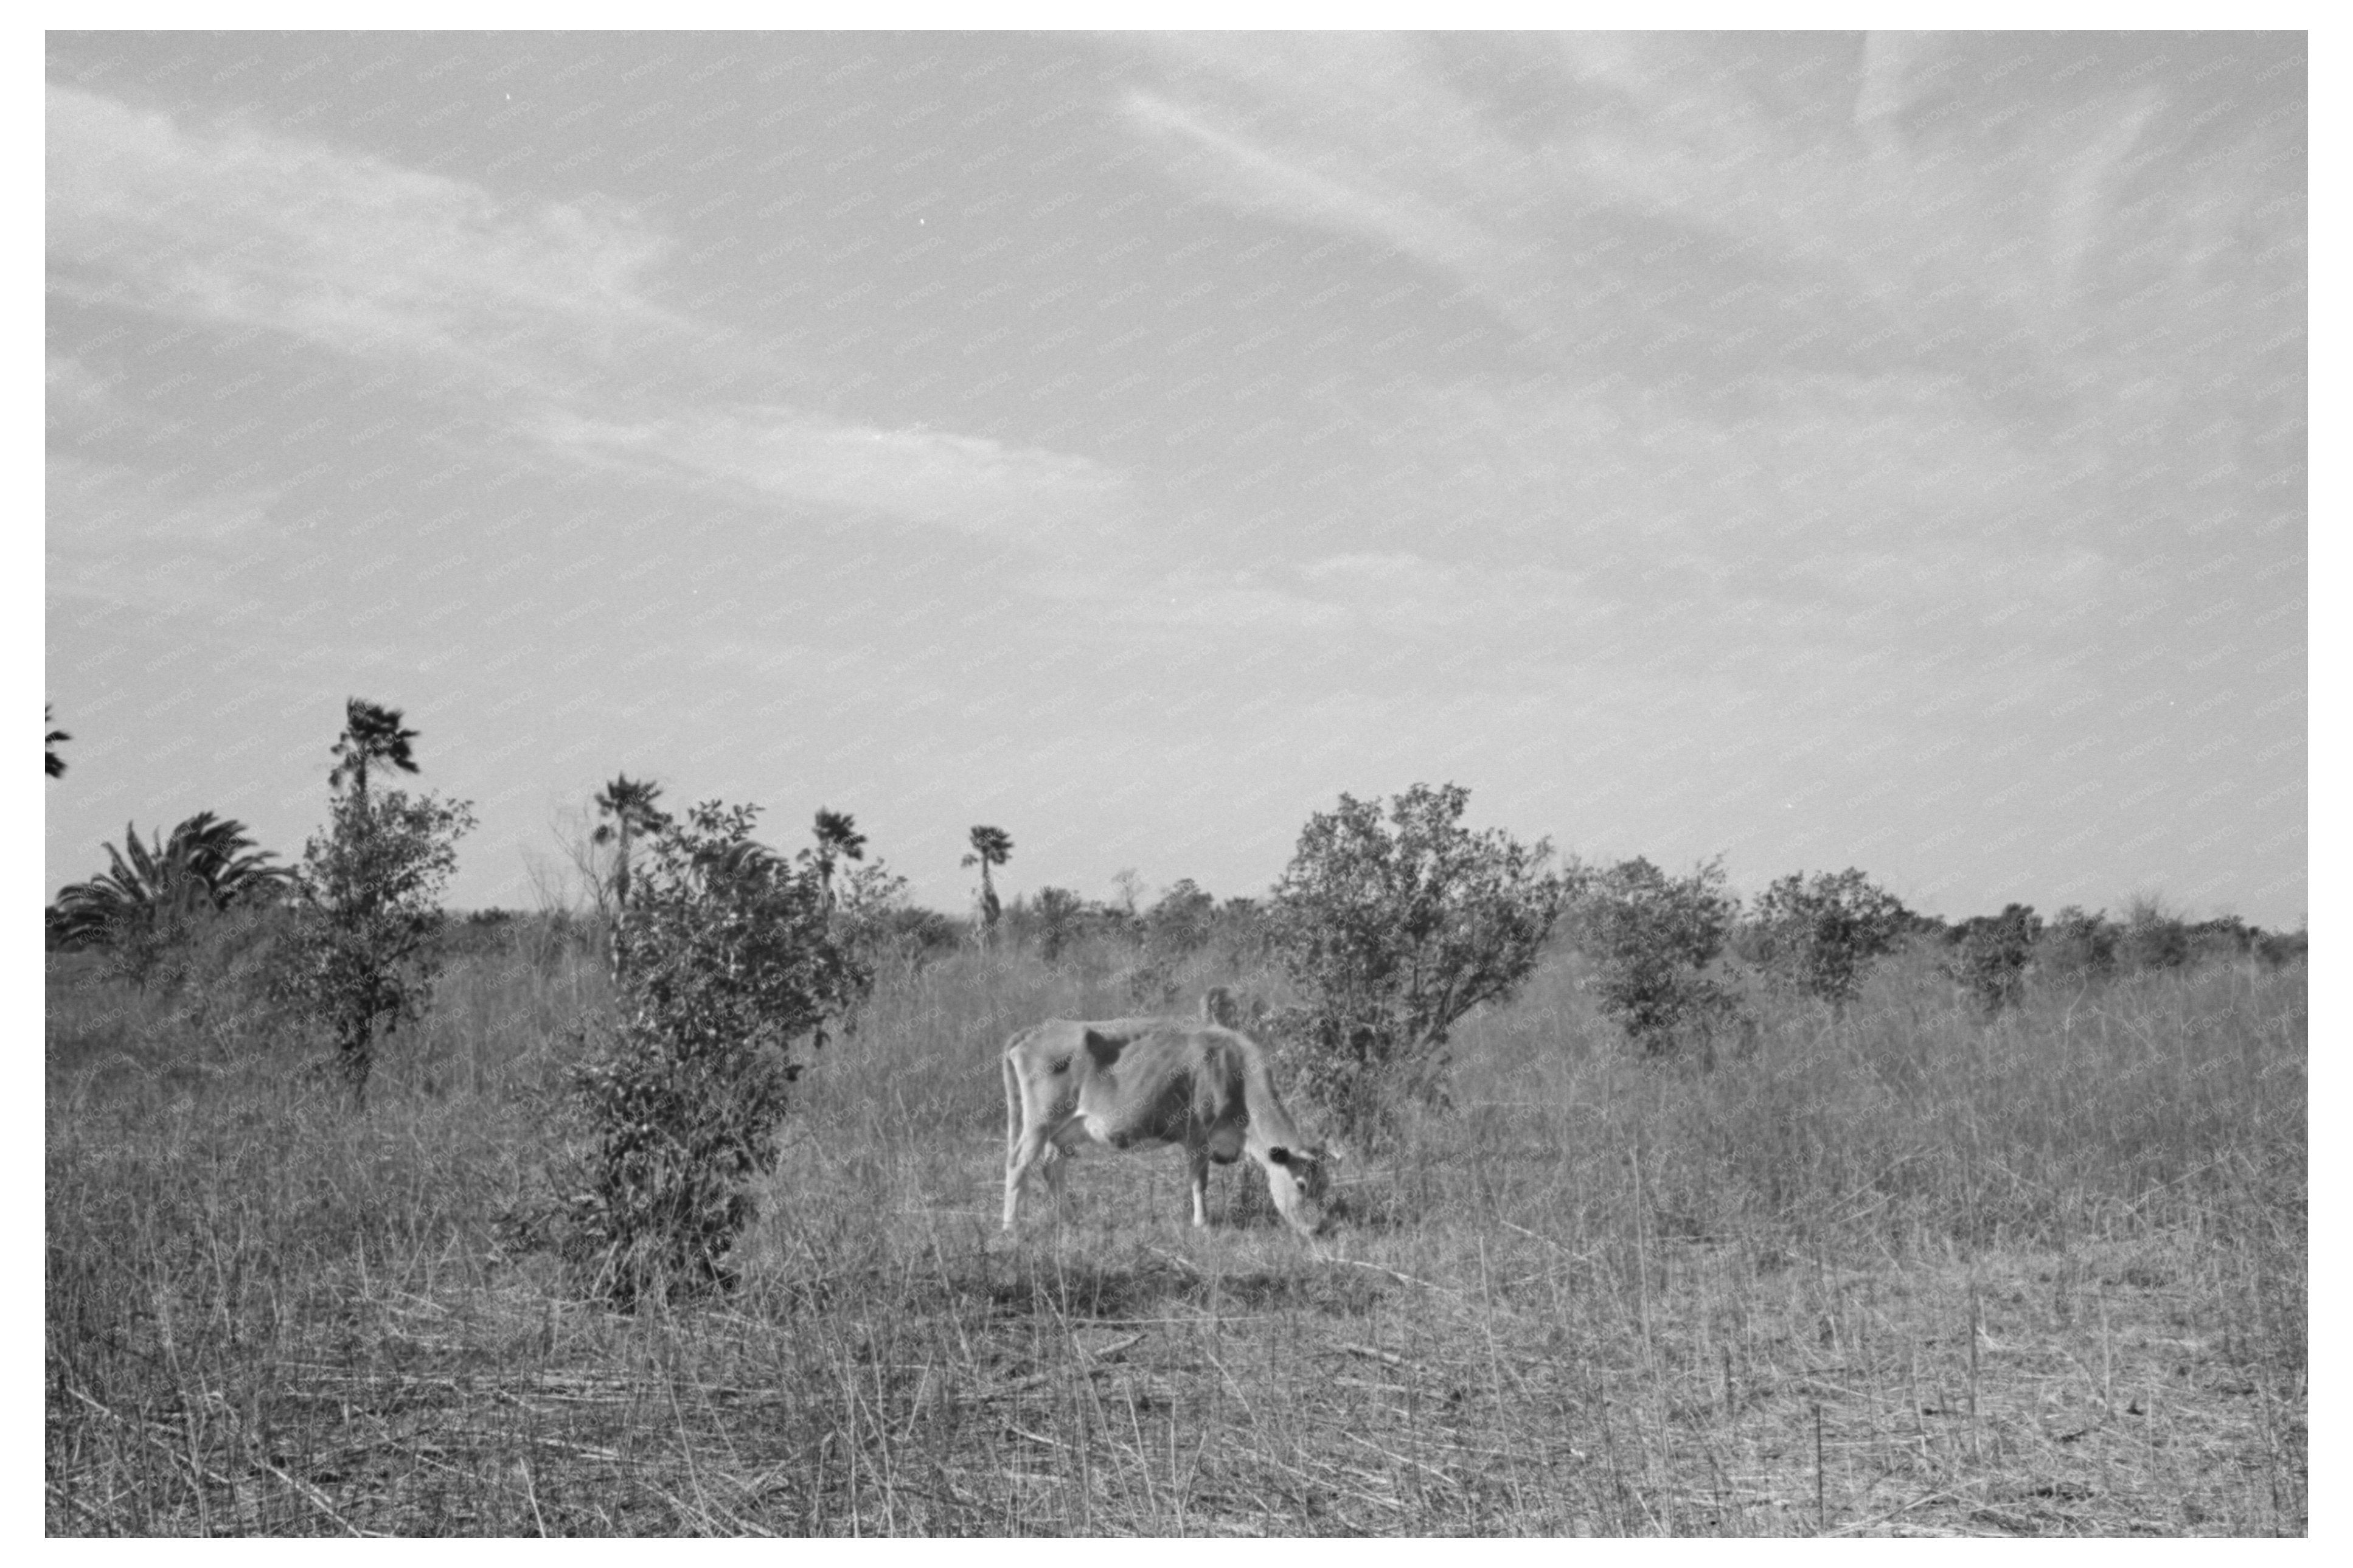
[1677, 201]
[1541, 524]
[965, 484]
[234, 226]
[1324, 186]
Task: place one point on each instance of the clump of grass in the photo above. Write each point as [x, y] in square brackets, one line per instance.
[2040, 1274]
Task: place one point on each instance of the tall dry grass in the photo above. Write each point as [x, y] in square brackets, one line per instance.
[1902, 1271]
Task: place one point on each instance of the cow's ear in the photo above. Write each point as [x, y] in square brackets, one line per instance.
[1104, 1048]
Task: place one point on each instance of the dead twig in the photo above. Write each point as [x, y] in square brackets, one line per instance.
[1386, 1358]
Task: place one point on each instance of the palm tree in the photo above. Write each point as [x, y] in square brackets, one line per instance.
[206, 863]
[57, 764]
[990, 846]
[838, 838]
[372, 733]
[630, 805]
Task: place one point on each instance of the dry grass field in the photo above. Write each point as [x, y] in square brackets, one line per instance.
[1909, 1274]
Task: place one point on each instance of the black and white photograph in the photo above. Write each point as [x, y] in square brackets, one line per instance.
[1269, 784]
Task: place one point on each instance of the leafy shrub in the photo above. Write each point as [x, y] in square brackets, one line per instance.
[1652, 938]
[1816, 935]
[2077, 946]
[2154, 936]
[728, 960]
[1994, 950]
[2279, 949]
[1165, 938]
[1392, 932]
[1060, 917]
[1153, 983]
[2223, 938]
[1180, 923]
[359, 957]
[1240, 934]
[874, 916]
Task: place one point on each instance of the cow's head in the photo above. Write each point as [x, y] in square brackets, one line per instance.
[1299, 1179]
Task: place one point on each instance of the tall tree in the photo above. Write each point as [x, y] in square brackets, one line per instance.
[57, 764]
[837, 840]
[990, 846]
[372, 734]
[359, 958]
[629, 804]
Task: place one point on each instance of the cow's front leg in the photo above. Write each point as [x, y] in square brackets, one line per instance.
[1197, 1155]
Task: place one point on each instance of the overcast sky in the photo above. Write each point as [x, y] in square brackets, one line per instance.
[1817, 451]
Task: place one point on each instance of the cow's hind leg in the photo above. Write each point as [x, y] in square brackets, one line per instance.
[1034, 1150]
[1028, 1139]
[1019, 1154]
[1017, 1161]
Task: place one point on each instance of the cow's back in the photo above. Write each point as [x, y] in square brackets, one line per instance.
[1176, 1081]
[1146, 1080]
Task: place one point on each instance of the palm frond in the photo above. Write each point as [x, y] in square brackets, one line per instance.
[206, 863]
[372, 733]
[836, 833]
[630, 803]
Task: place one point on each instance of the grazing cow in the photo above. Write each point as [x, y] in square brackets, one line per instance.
[1139, 1082]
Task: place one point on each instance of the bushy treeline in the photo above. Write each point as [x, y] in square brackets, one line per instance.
[730, 964]
[1676, 960]
[1679, 961]
[1147, 943]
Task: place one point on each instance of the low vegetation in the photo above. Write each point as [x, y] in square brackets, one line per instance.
[1912, 1268]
